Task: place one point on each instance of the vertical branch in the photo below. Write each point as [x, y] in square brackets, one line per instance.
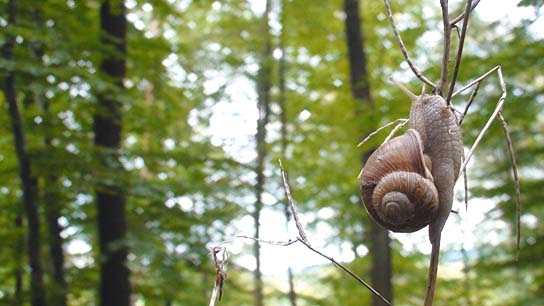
[263, 92]
[446, 52]
[433, 269]
[459, 51]
[28, 182]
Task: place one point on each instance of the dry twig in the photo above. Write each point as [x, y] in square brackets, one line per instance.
[220, 255]
[516, 180]
[446, 52]
[418, 74]
[459, 51]
[460, 17]
[307, 244]
[399, 122]
[497, 113]
[220, 258]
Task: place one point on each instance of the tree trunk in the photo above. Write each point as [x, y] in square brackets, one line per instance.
[19, 267]
[263, 92]
[282, 100]
[110, 197]
[56, 252]
[51, 197]
[28, 182]
[380, 251]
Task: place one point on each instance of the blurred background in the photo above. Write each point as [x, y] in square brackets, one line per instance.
[137, 134]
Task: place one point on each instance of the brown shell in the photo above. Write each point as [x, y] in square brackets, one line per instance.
[397, 187]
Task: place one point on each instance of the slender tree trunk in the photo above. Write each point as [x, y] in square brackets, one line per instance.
[380, 251]
[56, 252]
[110, 196]
[51, 197]
[282, 99]
[28, 182]
[263, 92]
[19, 253]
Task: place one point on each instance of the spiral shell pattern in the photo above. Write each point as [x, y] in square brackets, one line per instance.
[397, 187]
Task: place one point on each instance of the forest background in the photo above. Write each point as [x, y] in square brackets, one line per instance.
[137, 134]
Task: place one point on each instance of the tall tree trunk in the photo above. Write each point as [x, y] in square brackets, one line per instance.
[110, 196]
[263, 92]
[53, 205]
[282, 99]
[28, 182]
[380, 251]
[19, 253]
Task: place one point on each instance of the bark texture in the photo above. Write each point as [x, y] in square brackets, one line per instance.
[110, 196]
[28, 181]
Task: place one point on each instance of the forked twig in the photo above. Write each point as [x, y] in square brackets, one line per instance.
[440, 89]
[498, 108]
[460, 17]
[470, 100]
[220, 255]
[399, 122]
[497, 113]
[418, 74]
[477, 80]
[396, 129]
[307, 244]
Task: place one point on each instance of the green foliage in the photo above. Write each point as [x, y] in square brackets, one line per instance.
[187, 189]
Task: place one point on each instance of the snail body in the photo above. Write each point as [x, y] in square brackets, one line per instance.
[422, 165]
[441, 136]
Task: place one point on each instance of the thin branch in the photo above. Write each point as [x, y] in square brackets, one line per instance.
[396, 129]
[446, 54]
[433, 269]
[516, 179]
[497, 113]
[300, 228]
[465, 183]
[470, 100]
[498, 108]
[220, 258]
[459, 51]
[271, 242]
[479, 79]
[460, 17]
[307, 244]
[349, 272]
[400, 124]
[403, 47]
[397, 121]
[332, 260]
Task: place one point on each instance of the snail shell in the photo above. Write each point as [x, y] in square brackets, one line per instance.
[397, 186]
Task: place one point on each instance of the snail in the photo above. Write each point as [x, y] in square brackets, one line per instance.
[397, 185]
[420, 167]
[406, 202]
